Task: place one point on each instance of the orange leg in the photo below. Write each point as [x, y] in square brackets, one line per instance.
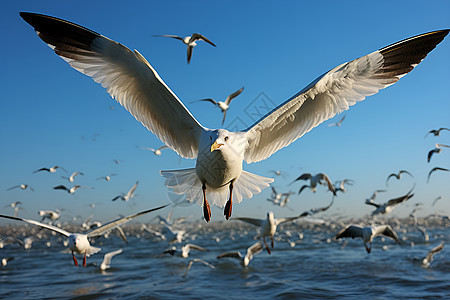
[75, 261]
[228, 206]
[84, 260]
[206, 208]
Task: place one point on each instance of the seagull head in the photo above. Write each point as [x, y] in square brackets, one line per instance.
[227, 142]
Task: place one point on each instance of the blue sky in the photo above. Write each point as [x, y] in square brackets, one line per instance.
[53, 115]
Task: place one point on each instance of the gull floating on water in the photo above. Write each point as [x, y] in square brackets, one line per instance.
[79, 242]
[106, 263]
[129, 195]
[183, 251]
[190, 41]
[245, 260]
[218, 175]
[367, 234]
[268, 226]
[436, 132]
[434, 170]
[223, 105]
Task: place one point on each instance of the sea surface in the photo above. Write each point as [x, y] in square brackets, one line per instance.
[306, 262]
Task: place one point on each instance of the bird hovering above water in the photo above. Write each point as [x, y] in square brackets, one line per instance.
[190, 41]
[218, 174]
[79, 242]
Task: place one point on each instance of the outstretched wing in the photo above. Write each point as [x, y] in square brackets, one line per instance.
[111, 225]
[334, 92]
[127, 77]
[351, 231]
[53, 228]
[256, 222]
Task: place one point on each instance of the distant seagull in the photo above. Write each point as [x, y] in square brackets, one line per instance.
[429, 258]
[387, 207]
[436, 150]
[107, 178]
[436, 200]
[106, 263]
[338, 124]
[424, 233]
[78, 242]
[5, 261]
[268, 226]
[339, 186]
[223, 105]
[368, 234]
[319, 178]
[50, 170]
[71, 178]
[129, 195]
[71, 190]
[245, 260]
[314, 211]
[190, 41]
[22, 187]
[49, 214]
[436, 132]
[16, 206]
[436, 169]
[155, 151]
[116, 161]
[169, 234]
[192, 261]
[278, 173]
[398, 175]
[183, 251]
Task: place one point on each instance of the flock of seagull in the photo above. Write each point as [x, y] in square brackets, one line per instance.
[218, 176]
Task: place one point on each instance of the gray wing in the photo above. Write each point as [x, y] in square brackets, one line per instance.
[334, 92]
[387, 230]
[191, 262]
[208, 100]
[400, 199]
[256, 222]
[127, 77]
[195, 247]
[50, 227]
[284, 220]
[351, 231]
[327, 180]
[434, 251]
[436, 169]
[234, 95]
[131, 191]
[108, 257]
[231, 254]
[198, 36]
[254, 249]
[189, 53]
[169, 35]
[111, 225]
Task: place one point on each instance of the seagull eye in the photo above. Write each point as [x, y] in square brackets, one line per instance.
[226, 139]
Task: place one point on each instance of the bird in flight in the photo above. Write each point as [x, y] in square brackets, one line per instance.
[190, 41]
[218, 176]
[437, 132]
[223, 105]
[79, 242]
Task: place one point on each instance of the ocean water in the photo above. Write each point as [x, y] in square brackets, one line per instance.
[316, 266]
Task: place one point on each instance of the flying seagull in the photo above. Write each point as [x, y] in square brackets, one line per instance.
[106, 263]
[436, 169]
[436, 150]
[268, 226]
[218, 174]
[245, 260]
[71, 178]
[429, 258]
[223, 105]
[79, 242]
[107, 178]
[22, 187]
[319, 178]
[367, 234]
[436, 132]
[387, 207]
[129, 195]
[155, 151]
[50, 170]
[339, 123]
[71, 190]
[398, 175]
[183, 251]
[192, 261]
[190, 41]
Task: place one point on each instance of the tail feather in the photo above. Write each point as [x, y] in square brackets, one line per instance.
[184, 186]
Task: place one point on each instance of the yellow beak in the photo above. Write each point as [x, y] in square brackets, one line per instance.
[215, 146]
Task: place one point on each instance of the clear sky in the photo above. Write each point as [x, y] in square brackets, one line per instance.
[53, 115]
